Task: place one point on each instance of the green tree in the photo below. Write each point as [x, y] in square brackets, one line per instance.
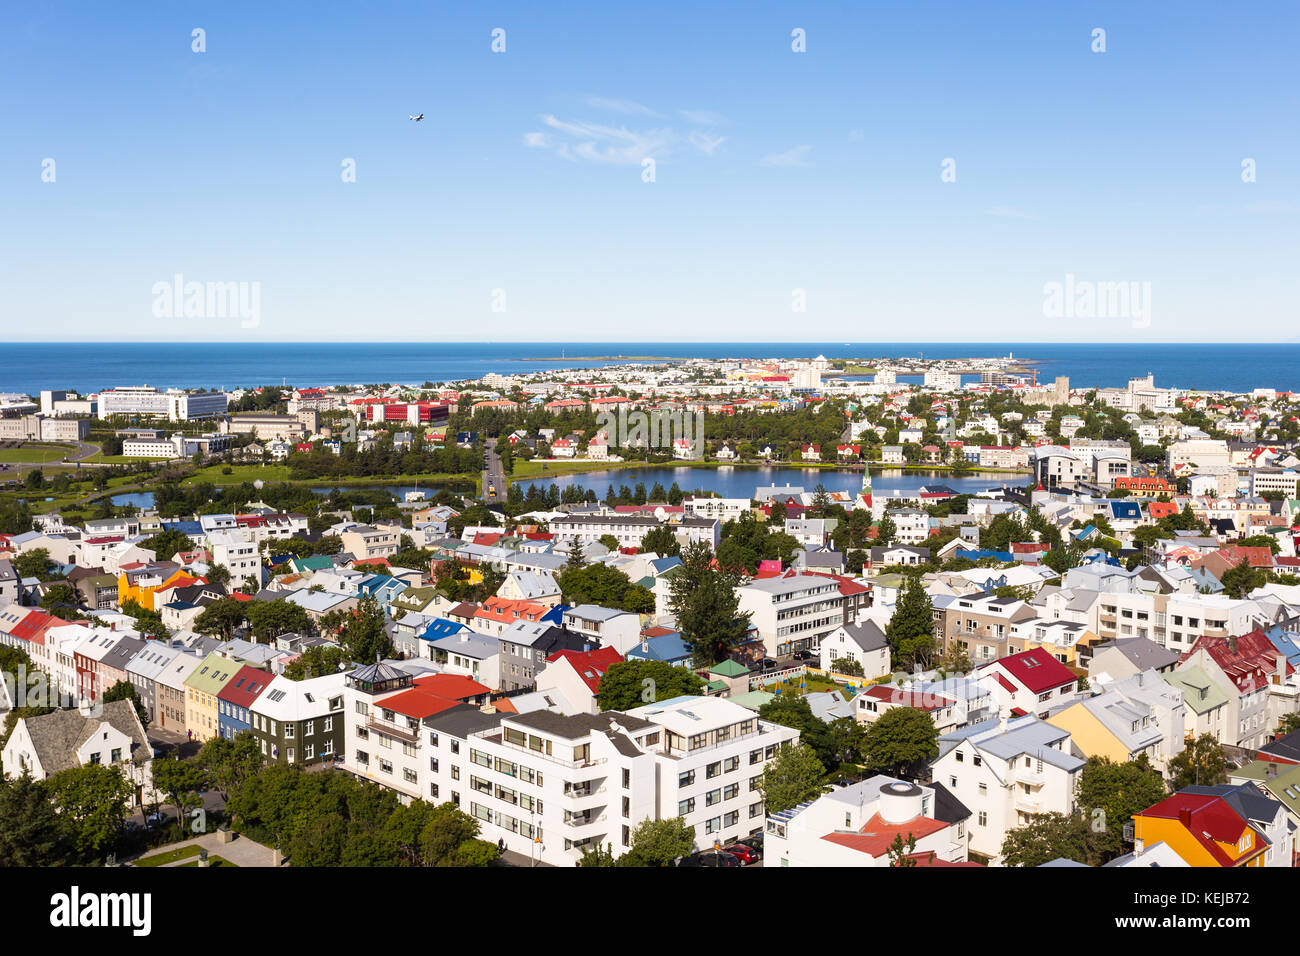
[1200, 763]
[1242, 579]
[166, 544]
[91, 803]
[222, 617]
[900, 852]
[911, 626]
[228, 763]
[659, 843]
[792, 710]
[623, 686]
[1118, 791]
[31, 835]
[900, 739]
[661, 541]
[846, 665]
[1046, 837]
[793, 777]
[363, 632]
[704, 602]
[179, 779]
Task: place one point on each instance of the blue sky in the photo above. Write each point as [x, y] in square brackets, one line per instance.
[775, 170]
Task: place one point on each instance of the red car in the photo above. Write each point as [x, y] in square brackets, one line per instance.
[746, 854]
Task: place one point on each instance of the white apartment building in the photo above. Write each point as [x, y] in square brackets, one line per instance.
[550, 785]
[721, 509]
[793, 612]
[238, 554]
[1006, 771]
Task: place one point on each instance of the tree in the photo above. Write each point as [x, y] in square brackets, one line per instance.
[31, 835]
[179, 779]
[222, 617]
[885, 531]
[62, 600]
[1046, 837]
[661, 541]
[793, 711]
[125, 690]
[955, 660]
[847, 738]
[609, 541]
[596, 855]
[704, 602]
[1118, 791]
[793, 777]
[166, 544]
[33, 564]
[228, 763]
[1289, 724]
[900, 739]
[270, 619]
[910, 628]
[900, 852]
[363, 632]
[624, 685]
[1239, 581]
[91, 803]
[846, 665]
[318, 661]
[1200, 763]
[659, 843]
[606, 586]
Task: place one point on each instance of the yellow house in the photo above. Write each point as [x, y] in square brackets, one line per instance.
[1202, 829]
[1108, 725]
[201, 689]
[144, 592]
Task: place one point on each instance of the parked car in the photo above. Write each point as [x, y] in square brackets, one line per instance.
[745, 854]
[718, 858]
[803, 655]
[754, 841]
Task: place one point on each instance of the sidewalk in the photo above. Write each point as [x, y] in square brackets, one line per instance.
[240, 851]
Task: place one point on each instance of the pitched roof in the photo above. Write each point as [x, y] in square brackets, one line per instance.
[589, 665]
[1036, 669]
[56, 736]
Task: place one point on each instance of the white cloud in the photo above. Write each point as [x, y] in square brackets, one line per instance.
[856, 136]
[598, 143]
[1006, 212]
[537, 140]
[791, 157]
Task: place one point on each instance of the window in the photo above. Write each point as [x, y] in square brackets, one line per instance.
[713, 769]
[116, 756]
[685, 806]
[686, 779]
[983, 819]
[712, 797]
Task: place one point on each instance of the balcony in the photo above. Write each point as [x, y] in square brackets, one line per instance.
[1030, 776]
[389, 730]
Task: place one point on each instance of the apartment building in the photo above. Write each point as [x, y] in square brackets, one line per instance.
[719, 509]
[299, 722]
[366, 541]
[173, 404]
[1005, 771]
[524, 646]
[605, 626]
[792, 612]
[238, 554]
[983, 624]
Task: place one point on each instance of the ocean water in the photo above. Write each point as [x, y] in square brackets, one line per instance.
[87, 367]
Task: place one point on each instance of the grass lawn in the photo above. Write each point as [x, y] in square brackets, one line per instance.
[813, 684]
[170, 856]
[238, 474]
[35, 453]
[213, 861]
[100, 458]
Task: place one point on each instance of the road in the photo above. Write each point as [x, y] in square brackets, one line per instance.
[493, 474]
[18, 469]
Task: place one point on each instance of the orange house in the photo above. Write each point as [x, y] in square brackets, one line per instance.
[1204, 830]
[143, 594]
